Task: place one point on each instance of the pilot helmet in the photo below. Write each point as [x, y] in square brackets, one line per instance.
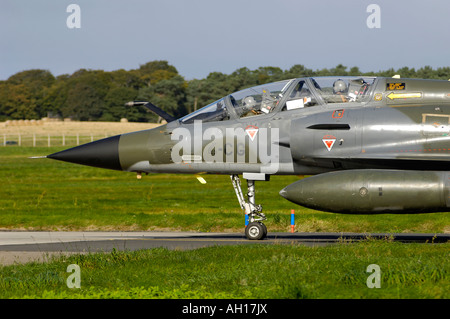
[339, 86]
[248, 102]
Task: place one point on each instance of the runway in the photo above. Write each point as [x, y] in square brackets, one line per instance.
[26, 246]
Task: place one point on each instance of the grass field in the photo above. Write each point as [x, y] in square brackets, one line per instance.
[61, 133]
[72, 127]
[250, 271]
[43, 194]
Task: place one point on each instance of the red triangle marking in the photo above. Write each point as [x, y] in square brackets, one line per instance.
[251, 131]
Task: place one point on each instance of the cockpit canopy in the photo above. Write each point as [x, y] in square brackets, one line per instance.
[343, 89]
[285, 95]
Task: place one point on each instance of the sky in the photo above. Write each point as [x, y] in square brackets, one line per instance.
[203, 36]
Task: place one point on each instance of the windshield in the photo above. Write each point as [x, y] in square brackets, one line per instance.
[343, 89]
[260, 99]
[216, 111]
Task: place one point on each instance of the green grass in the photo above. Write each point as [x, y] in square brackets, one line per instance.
[250, 271]
[43, 194]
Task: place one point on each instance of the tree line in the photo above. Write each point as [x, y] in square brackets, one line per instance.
[96, 95]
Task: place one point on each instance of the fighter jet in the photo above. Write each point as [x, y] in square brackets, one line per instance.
[372, 145]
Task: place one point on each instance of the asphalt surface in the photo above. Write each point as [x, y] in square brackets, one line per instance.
[25, 246]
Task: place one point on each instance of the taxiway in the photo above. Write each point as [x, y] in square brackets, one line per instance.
[27, 246]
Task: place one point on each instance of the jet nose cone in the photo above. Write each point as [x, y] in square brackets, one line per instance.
[102, 153]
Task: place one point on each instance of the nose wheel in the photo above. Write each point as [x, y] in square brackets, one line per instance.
[255, 230]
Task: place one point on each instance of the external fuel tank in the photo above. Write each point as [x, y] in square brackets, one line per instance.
[373, 191]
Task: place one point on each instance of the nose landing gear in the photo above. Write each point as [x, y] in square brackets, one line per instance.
[255, 230]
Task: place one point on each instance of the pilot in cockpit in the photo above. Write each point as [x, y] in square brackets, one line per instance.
[249, 105]
[340, 91]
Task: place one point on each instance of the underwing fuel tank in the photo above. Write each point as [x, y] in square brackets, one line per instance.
[373, 192]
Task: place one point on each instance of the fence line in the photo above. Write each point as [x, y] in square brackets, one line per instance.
[42, 140]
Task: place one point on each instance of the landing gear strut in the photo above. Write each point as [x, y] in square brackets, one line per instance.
[255, 230]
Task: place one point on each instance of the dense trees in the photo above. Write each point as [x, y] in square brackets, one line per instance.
[89, 95]
[22, 95]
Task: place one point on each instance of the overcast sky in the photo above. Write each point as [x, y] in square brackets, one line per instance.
[203, 36]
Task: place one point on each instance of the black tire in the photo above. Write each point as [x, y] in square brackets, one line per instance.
[265, 230]
[255, 231]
